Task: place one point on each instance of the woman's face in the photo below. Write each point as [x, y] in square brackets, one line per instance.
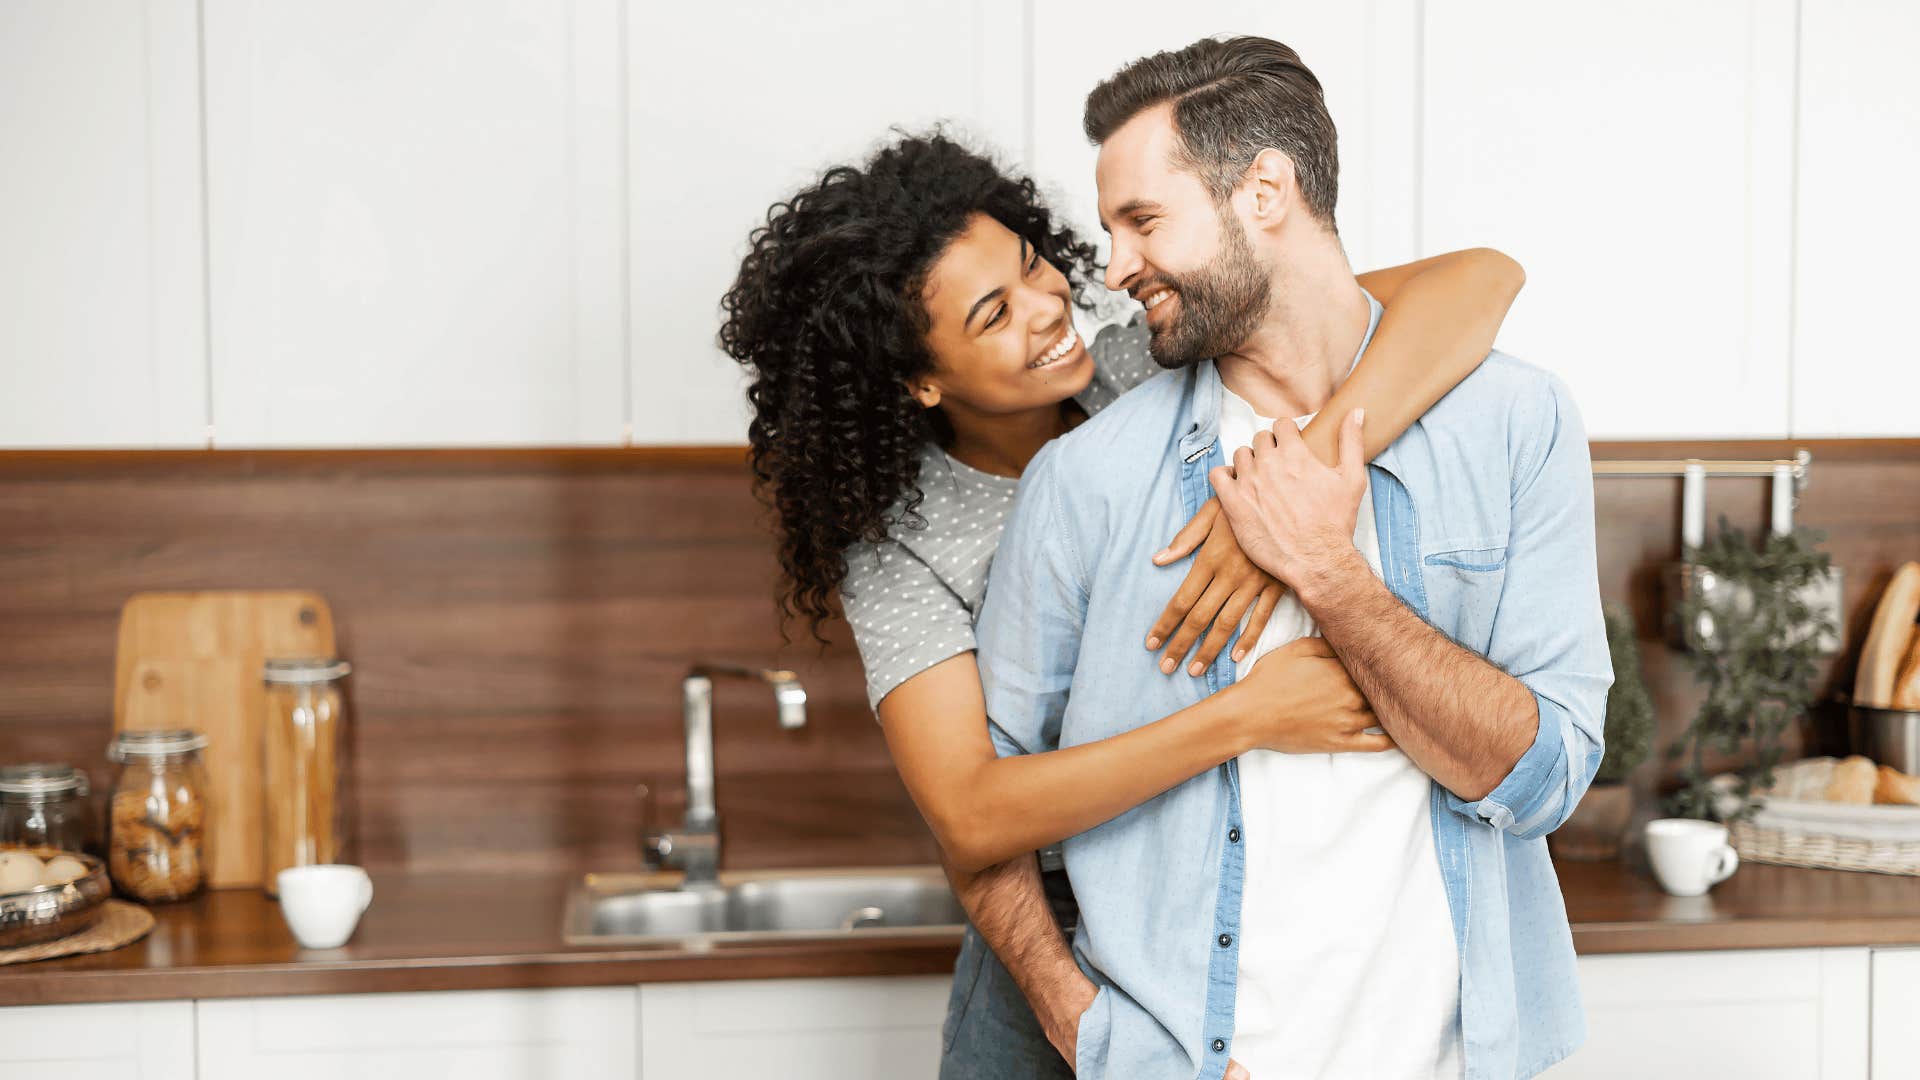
[1001, 327]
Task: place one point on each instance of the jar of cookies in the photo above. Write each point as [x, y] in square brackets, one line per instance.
[157, 815]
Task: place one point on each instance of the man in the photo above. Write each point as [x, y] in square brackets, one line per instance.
[1302, 915]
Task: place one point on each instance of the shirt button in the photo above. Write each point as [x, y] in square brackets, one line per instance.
[1226, 940]
[1233, 836]
[1219, 1045]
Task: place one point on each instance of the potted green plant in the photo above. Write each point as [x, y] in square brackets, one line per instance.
[1755, 643]
[1594, 830]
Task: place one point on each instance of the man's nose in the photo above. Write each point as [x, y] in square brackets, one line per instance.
[1123, 265]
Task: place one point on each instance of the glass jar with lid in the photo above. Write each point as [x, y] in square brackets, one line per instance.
[44, 805]
[301, 770]
[157, 815]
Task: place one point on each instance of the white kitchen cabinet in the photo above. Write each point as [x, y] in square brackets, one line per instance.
[1895, 1048]
[732, 108]
[1781, 1014]
[454, 1035]
[1638, 158]
[795, 1029]
[416, 222]
[102, 283]
[1856, 367]
[1362, 53]
[149, 1040]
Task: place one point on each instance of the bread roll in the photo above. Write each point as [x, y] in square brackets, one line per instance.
[1884, 655]
[1854, 781]
[1896, 787]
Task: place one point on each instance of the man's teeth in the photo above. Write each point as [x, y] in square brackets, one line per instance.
[1066, 346]
[1157, 299]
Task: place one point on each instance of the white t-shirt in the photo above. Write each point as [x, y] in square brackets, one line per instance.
[1348, 966]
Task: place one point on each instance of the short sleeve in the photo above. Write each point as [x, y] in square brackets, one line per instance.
[904, 617]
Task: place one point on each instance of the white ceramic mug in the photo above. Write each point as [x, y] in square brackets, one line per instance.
[323, 904]
[1690, 856]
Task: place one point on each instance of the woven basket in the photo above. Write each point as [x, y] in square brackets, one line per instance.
[1832, 836]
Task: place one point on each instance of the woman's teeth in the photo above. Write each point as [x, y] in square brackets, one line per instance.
[1058, 351]
[1157, 299]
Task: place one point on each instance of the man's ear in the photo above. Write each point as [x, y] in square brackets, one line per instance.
[1271, 188]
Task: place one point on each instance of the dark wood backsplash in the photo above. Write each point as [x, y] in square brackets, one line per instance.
[519, 621]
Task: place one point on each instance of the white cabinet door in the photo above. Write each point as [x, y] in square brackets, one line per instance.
[1361, 53]
[148, 1040]
[1896, 1013]
[102, 280]
[732, 107]
[452, 1035]
[1788, 1014]
[795, 1029]
[1638, 159]
[1856, 368]
[416, 222]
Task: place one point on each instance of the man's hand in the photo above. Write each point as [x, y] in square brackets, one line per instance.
[1059, 1009]
[1299, 699]
[1292, 515]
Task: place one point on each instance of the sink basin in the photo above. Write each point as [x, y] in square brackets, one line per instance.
[644, 909]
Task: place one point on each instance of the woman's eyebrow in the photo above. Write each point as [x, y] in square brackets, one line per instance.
[983, 302]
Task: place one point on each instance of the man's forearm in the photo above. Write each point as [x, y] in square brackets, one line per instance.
[1008, 906]
[1462, 720]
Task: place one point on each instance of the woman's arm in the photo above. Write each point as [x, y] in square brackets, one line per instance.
[1440, 320]
[1441, 317]
[985, 809]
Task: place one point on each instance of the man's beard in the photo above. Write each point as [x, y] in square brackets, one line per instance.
[1221, 304]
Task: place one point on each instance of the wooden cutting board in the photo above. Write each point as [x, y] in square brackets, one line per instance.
[192, 660]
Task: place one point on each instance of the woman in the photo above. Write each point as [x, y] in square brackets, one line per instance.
[893, 414]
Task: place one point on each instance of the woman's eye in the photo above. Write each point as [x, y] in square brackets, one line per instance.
[1033, 263]
[994, 319]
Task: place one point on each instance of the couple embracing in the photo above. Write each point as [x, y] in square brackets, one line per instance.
[1240, 657]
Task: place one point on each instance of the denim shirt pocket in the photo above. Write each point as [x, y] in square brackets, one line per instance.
[1463, 592]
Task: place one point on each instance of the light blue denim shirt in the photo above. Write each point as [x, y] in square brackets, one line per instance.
[1485, 515]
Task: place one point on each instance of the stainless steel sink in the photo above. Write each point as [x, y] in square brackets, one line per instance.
[641, 909]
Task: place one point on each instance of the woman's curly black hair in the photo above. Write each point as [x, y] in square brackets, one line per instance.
[827, 316]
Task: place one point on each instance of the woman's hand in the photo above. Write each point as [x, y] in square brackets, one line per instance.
[1299, 699]
[1221, 585]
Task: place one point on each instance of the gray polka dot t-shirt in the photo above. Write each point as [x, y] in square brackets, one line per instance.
[912, 600]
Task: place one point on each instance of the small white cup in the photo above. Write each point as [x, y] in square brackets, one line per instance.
[323, 904]
[1690, 856]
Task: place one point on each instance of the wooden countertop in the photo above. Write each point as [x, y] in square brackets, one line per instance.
[469, 933]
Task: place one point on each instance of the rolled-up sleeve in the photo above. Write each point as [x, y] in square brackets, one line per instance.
[1030, 626]
[1548, 631]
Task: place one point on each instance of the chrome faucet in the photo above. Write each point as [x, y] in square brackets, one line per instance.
[694, 848]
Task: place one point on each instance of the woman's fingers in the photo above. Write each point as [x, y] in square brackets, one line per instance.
[1192, 587]
[1257, 622]
[1190, 535]
[1196, 621]
[1223, 627]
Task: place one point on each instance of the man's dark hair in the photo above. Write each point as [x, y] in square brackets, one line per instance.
[1231, 100]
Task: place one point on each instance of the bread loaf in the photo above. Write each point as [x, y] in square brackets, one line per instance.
[1854, 781]
[1906, 685]
[1805, 780]
[1894, 786]
[1884, 655]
